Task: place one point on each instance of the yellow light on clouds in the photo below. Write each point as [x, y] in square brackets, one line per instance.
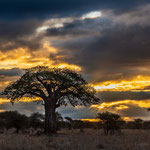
[120, 107]
[124, 104]
[90, 120]
[138, 83]
[69, 66]
[23, 58]
[24, 99]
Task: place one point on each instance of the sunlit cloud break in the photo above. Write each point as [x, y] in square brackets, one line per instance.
[92, 15]
[138, 83]
[124, 104]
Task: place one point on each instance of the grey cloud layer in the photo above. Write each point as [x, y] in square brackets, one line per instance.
[110, 96]
[11, 72]
[16, 34]
[105, 46]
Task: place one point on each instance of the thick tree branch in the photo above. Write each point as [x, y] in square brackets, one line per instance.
[48, 89]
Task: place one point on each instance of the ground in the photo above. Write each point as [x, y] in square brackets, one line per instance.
[90, 139]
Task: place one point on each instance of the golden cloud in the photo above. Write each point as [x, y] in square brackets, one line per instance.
[138, 83]
[124, 104]
[23, 58]
[24, 99]
[97, 120]
[90, 120]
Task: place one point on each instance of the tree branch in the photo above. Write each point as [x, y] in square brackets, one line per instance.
[45, 86]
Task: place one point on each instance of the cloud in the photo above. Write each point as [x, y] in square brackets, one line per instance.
[11, 72]
[117, 50]
[134, 112]
[110, 96]
[75, 28]
[140, 16]
[25, 108]
[16, 9]
[16, 34]
[126, 108]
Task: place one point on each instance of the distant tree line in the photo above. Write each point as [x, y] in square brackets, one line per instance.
[111, 123]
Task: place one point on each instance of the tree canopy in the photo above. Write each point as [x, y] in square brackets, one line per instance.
[111, 122]
[62, 84]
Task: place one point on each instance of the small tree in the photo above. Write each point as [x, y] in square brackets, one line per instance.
[69, 122]
[138, 123]
[110, 122]
[12, 119]
[78, 124]
[36, 120]
[59, 120]
[55, 87]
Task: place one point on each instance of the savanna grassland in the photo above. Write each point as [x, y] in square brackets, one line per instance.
[90, 139]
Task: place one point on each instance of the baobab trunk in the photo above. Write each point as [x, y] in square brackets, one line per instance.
[50, 117]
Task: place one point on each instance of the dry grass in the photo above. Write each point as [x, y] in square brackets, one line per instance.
[89, 140]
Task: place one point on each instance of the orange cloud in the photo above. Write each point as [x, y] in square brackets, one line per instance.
[127, 119]
[24, 99]
[124, 104]
[69, 66]
[97, 120]
[90, 120]
[23, 58]
[138, 83]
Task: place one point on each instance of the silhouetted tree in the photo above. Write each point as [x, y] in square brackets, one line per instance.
[2, 124]
[55, 87]
[69, 122]
[59, 117]
[13, 119]
[130, 125]
[146, 125]
[138, 123]
[59, 120]
[110, 122]
[36, 120]
[78, 124]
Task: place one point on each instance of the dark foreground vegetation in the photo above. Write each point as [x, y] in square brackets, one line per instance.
[109, 122]
[18, 131]
[67, 140]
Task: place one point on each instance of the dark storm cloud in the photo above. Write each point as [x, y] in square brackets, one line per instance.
[25, 108]
[16, 9]
[75, 28]
[15, 34]
[134, 112]
[116, 50]
[20, 19]
[11, 72]
[78, 113]
[110, 96]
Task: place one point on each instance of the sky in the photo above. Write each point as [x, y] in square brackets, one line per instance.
[108, 41]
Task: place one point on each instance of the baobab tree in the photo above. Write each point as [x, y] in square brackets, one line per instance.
[55, 87]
